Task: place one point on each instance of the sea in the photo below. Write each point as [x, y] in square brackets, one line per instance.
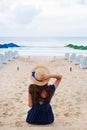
[44, 46]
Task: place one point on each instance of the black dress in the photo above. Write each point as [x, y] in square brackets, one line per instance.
[41, 114]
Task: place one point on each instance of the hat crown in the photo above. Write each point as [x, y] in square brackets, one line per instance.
[36, 75]
[39, 72]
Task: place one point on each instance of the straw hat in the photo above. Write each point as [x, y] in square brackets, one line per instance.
[37, 72]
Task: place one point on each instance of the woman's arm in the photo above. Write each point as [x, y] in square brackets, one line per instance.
[58, 78]
[29, 100]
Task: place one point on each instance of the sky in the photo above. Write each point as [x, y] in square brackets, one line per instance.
[43, 18]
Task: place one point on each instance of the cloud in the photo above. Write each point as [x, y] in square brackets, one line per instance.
[21, 12]
[83, 2]
[25, 14]
[43, 17]
[61, 21]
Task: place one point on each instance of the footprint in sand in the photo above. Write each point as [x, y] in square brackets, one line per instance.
[8, 113]
[17, 99]
[21, 101]
[20, 93]
[1, 124]
[18, 124]
[77, 114]
[20, 87]
[78, 99]
[23, 82]
[54, 106]
[5, 104]
[5, 113]
[66, 114]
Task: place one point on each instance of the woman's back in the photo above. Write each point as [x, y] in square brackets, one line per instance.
[40, 93]
[41, 112]
[39, 96]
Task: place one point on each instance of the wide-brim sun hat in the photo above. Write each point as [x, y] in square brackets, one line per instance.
[36, 75]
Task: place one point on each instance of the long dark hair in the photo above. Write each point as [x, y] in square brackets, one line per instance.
[36, 91]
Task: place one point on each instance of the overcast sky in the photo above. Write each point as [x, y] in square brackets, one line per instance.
[43, 18]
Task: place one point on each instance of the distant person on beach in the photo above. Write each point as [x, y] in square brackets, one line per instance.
[39, 96]
[70, 68]
[17, 68]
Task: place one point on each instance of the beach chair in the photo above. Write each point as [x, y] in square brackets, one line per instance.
[3, 59]
[0, 64]
[6, 56]
[67, 56]
[15, 54]
[72, 57]
[84, 63]
[78, 59]
[10, 55]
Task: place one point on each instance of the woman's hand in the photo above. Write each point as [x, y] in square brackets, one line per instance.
[44, 76]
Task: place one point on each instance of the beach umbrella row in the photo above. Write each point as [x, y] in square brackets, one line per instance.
[8, 56]
[77, 59]
[79, 47]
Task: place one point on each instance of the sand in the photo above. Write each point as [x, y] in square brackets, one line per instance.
[69, 102]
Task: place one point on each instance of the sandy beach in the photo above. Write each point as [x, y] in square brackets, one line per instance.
[69, 102]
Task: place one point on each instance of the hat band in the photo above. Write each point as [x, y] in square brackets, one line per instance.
[33, 75]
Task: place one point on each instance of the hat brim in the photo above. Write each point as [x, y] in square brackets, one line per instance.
[37, 82]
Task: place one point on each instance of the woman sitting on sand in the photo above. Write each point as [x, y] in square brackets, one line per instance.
[39, 96]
